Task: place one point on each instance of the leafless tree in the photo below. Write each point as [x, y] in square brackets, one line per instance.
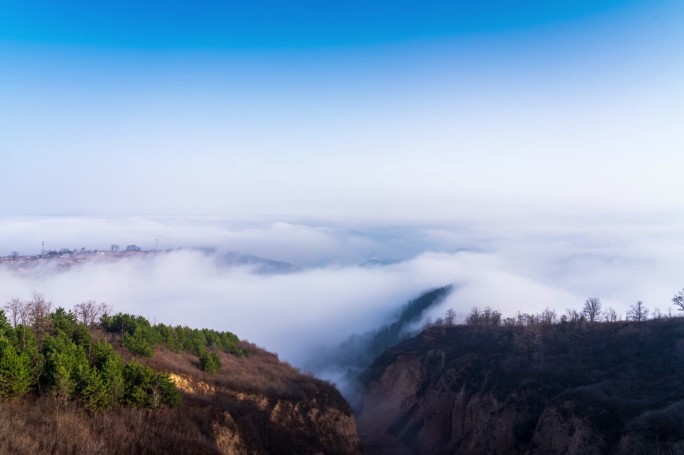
[610, 315]
[485, 317]
[678, 300]
[492, 317]
[509, 322]
[547, 317]
[574, 316]
[449, 317]
[473, 318]
[89, 312]
[15, 309]
[638, 312]
[592, 308]
[522, 319]
[38, 314]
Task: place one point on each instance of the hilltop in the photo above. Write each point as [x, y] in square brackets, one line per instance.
[119, 384]
[536, 388]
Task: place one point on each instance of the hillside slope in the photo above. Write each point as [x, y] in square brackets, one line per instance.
[571, 388]
[356, 353]
[254, 405]
[124, 385]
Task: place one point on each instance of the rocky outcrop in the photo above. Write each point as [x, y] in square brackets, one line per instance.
[259, 405]
[561, 430]
[255, 405]
[303, 427]
[564, 389]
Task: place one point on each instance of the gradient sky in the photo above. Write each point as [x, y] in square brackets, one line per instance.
[396, 110]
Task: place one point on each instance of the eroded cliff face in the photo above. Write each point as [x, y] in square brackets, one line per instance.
[560, 430]
[267, 407]
[575, 390]
[405, 412]
[255, 405]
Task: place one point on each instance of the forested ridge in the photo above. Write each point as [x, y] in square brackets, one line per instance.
[88, 381]
[76, 355]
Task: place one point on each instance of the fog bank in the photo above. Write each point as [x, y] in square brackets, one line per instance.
[337, 291]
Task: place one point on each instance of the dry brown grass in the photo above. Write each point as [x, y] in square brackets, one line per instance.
[41, 426]
[261, 372]
[239, 399]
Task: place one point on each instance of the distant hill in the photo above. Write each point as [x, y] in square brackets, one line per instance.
[255, 263]
[359, 350]
[65, 259]
[379, 262]
[566, 388]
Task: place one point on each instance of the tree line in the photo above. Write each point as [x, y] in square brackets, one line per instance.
[140, 337]
[533, 334]
[592, 311]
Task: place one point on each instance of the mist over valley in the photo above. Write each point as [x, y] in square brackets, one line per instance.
[268, 281]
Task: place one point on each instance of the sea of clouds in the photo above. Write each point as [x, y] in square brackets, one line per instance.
[350, 279]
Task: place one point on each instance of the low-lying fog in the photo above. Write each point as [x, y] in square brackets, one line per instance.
[349, 279]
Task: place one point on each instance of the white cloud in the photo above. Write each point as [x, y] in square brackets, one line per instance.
[523, 268]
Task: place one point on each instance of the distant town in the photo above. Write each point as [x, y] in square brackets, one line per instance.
[67, 258]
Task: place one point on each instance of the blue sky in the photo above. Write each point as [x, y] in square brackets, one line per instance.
[392, 110]
[285, 25]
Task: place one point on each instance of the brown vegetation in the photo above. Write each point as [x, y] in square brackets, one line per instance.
[42, 425]
[533, 387]
[253, 405]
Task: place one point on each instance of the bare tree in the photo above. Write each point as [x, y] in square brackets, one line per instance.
[38, 314]
[548, 317]
[492, 317]
[574, 316]
[449, 317]
[15, 308]
[85, 311]
[610, 315]
[509, 322]
[592, 308]
[473, 318]
[637, 312]
[89, 312]
[678, 300]
[485, 317]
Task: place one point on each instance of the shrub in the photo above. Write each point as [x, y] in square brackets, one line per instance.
[143, 387]
[15, 377]
[210, 362]
[138, 344]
